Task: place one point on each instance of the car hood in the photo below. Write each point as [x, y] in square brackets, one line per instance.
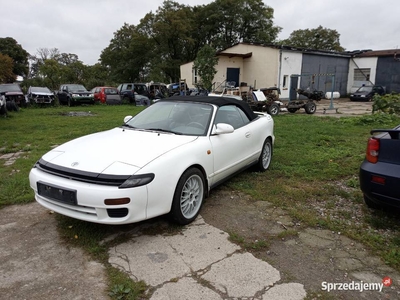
[362, 93]
[117, 151]
[80, 92]
[42, 94]
[13, 93]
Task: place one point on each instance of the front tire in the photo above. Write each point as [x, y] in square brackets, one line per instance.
[3, 110]
[11, 106]
[266, 155]
[188, 197]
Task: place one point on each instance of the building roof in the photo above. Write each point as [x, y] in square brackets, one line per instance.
[372, 53]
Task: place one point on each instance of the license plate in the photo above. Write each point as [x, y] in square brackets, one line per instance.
[57, 193]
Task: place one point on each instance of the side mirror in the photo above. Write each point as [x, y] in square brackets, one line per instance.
[127, 118]
[222, 128]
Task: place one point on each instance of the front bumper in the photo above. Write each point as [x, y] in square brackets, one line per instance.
[42, 100]
[90, 200]
[360, 98]
[83, 99]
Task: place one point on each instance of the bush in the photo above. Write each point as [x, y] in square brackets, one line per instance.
[389, 103]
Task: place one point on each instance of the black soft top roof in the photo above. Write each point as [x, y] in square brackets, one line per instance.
[218, 101]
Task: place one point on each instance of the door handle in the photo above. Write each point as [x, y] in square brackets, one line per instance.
[247, 134]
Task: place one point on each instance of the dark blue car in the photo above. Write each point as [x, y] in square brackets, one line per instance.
[380, 170]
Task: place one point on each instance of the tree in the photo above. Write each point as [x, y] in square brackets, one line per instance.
[38, 59]
[175, 33]
[10, 47]
[205, 63]
[236, 21]
[98, 75]
[6, 69]
[128, 55]
[51, 72]
[171, 31]
[318, 38]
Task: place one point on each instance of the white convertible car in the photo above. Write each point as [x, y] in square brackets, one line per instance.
[162, 161]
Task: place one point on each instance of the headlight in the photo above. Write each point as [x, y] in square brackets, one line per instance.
[75, 95]
[351, 95]
[137, 180]
[91, 95]
[362, 96]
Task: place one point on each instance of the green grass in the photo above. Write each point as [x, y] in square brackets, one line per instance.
[315, 168]
[315, 165]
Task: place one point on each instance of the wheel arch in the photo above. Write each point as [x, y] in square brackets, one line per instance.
[203, 171]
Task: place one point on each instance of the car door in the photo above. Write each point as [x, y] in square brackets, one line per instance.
[232, 151]
[62, 95]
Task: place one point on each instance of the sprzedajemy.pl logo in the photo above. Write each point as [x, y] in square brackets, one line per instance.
[356, 285]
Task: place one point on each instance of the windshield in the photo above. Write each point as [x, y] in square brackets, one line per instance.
[365, 89]
[36, 89]
[77, 88]
[186, 118]
[10, 88]
[111, 91]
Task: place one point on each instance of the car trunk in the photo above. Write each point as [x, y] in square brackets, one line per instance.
[389, 147]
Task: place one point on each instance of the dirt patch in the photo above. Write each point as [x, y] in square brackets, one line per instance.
[78, 114]
[309, 256]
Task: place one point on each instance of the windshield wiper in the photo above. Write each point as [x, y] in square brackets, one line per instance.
[127, 125]
[163, 130]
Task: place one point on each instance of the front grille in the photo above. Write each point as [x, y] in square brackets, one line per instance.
[117, 212]
[43, 99]
[16, 98]
[88, 177]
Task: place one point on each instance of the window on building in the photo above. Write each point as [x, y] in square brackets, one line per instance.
[285, 81]
[195, 76]
[362, 74]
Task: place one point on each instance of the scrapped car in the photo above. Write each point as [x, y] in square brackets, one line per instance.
[157, 90]
[134, 93]
[40, 95]
[106, 94]
[13, 95]
[164, 160]
[380, 170]
[366, 92]
[74, 94]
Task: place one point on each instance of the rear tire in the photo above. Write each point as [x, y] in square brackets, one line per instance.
[188, 197]
[310, 108]
[273, 109]
[266, 155]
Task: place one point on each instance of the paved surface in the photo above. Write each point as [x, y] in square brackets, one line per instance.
[200, 263]
[341, 107]
[36, 265]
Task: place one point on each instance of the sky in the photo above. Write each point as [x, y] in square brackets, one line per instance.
[86, 27]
